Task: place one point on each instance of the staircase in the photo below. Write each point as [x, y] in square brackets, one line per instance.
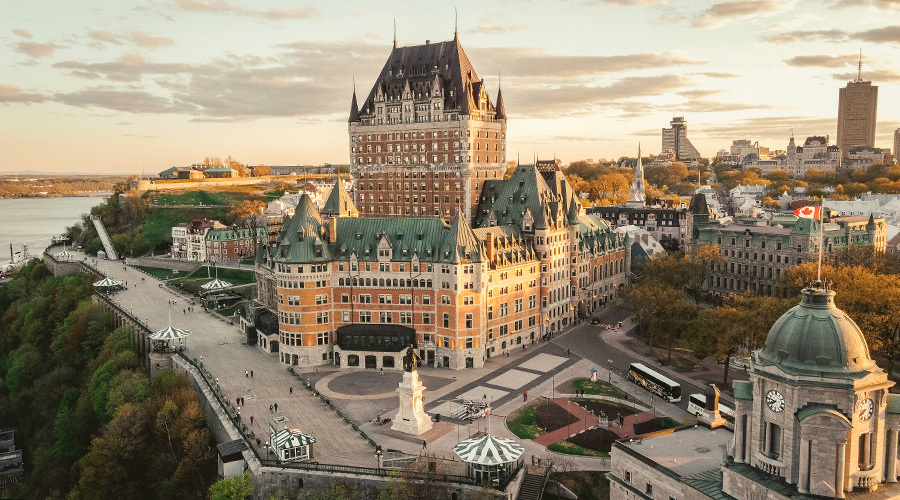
[104, 238]
[532, 487]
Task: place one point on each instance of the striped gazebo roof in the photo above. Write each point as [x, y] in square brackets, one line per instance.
[489, 450]
[286, 439]
[169, 333]
[216, 284]
[107, 282]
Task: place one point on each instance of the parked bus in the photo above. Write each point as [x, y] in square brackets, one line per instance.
[655, 382]
[697, 402]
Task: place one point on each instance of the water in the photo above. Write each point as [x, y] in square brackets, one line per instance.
[34, 221]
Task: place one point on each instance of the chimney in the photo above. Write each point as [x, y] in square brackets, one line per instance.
[332, 230]
[489, 245]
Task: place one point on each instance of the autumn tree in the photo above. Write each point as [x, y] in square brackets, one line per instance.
[262, 170]
[704, 259]
[236, 488]
[248, 215]
[212, 162]
[237, 166]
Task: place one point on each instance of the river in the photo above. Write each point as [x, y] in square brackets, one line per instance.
[34, 221]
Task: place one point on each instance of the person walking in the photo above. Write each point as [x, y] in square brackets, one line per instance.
[251, 419]
[292, 390]
[247, 373]
[525, 396]
[251, 373]
[276, 406]
[270, 408]
[424, 444]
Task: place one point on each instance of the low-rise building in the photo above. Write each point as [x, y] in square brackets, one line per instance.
[234, 243]
[11, 464]
[758, 251]
[220, 172]
[797, 160]
[181, 173]
[189, 239]
[659, 222]
[863, 157]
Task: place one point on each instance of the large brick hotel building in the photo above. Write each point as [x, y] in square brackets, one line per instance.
[437, 250]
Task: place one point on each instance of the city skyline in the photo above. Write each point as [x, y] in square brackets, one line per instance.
[125, 88]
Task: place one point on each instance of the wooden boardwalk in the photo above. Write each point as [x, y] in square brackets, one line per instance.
[218, 344]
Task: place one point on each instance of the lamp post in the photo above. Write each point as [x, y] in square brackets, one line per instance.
[378, 455]
[609, 372]
[267, 450]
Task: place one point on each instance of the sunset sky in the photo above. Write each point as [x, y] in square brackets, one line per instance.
[118, 86]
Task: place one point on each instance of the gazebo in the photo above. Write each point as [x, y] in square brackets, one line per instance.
[64, 255]
[162, 338]
[489, 458]
[216, 285]
[291, 445]
[108, 284]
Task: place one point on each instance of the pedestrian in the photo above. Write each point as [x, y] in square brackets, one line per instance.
[184, 311]
[247, 373]
[525, 396]
[276, 406]
[292, 390]
[270, 408]
[251, 419]
[217, 381]
[251, 373]
[532, 459]
[382, 371]
[424, 444]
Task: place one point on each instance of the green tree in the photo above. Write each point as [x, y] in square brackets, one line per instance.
[236, 488]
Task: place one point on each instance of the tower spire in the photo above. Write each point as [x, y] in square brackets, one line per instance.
[455, 23]
[395, 32]
[859, 68]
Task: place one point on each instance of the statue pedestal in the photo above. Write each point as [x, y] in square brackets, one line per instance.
[711, 419]
[411, 419]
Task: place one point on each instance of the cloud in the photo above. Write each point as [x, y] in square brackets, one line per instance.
[10, 94]
[829, 35]
[493, 29]
[535, 63]
[139, 38]
[22, 33]
[128, 100]
[821, 61]
[35, 49]
[880, 4]
[878, 76]
[720, 74]
[887, 34]
[224, 7]
[129, 67]
[724, 13]
[774, 130]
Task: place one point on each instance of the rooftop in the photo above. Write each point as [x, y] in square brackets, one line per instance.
[686, 451]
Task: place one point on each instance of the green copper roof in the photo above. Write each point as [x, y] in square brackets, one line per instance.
[743, 390]
[817, 409]
[893, 403]
[234, 234]
[525, 191]
[339, 202]
[460, 244]
[815, 338]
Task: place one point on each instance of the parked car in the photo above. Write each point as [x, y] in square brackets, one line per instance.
[595, 321]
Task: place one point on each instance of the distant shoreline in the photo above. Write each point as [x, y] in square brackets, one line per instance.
[104, 194]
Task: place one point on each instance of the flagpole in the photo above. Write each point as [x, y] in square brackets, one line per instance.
[821, 237]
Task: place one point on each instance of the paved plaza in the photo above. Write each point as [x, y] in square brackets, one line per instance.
[362, 395]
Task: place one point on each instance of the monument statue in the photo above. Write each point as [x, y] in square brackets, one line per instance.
[411, 359]
[710, 416]
[411, 418]
[712, 398]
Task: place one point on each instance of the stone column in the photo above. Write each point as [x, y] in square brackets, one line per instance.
[891, 471]
[740, 430]
[839, 473]
[803, 484]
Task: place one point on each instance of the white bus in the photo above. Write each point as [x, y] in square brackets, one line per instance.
[697, 402]
[655, 382]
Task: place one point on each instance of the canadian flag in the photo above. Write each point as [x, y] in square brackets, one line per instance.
[487, 410]
[809, 212]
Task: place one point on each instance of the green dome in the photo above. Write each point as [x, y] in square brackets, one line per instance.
[816, 338]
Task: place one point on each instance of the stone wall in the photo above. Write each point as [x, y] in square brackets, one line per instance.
[179, 265]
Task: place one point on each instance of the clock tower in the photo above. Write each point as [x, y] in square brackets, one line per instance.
[815, 418]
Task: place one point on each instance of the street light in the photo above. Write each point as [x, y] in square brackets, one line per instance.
[378, 455]
[609, 372]
[267, 450]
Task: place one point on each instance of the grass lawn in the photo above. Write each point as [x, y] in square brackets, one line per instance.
[160, 273]
[569, 448]
[588, 485]
[598, 388]
[158, 225]
[234, 276]
[250, 261]
[524, 423]
[200, 198]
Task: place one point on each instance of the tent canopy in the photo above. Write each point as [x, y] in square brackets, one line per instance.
[107, 282]
[169, 333]
[216, 284]
[489, 450]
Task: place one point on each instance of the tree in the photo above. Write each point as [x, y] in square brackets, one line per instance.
[236, 488]
[705, 258]
[212, 162]
[248, 215]
[262, 170]
[240, 169]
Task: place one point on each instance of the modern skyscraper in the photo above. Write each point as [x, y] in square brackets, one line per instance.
[427, 136]
[857, 107]
[675, 139]
[896, 150]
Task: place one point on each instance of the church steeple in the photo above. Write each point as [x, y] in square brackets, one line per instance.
[636, 193]
[501, 110]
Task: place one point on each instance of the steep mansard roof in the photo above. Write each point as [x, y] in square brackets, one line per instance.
[528, 193]
[425, 68]
[339, 203]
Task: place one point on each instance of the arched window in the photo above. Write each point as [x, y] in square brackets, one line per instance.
[381, 282]
[340, 281]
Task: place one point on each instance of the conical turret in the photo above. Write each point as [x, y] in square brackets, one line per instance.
[501, 110]
[354, 108]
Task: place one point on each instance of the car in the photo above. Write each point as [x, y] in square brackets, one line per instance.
[595, 321]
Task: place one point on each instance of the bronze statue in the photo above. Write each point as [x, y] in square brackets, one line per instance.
[712, 397]
[411, 359]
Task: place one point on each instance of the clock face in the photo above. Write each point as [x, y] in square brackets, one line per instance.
[775, 401]
[865, 409]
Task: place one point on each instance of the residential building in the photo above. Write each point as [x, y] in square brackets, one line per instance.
[234, 243]
[797, 160]
[659, 222]
[532, 264]
[758, 251]
[189, 239]
[427, 136]
[857, 109]
[815, 420]
[675, 139]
